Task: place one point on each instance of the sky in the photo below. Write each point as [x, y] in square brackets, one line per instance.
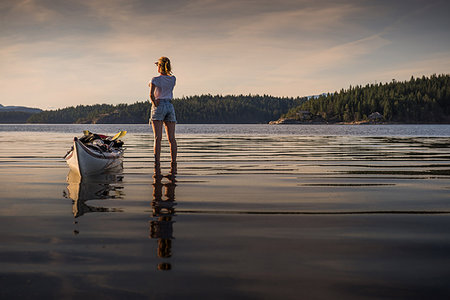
[55, 54]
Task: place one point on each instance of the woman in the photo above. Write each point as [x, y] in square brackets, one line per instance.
[163, 112]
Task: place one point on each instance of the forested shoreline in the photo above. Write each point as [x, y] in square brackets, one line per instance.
[14, 117]
[419, 100]
[204, 109]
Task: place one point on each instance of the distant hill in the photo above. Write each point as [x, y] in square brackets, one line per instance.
[419, 100]
[19, 108]
[315, 96]
[16, 114]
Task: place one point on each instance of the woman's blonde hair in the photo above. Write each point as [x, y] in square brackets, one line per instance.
[164, 62]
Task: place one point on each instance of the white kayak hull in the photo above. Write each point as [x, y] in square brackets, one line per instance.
[85, 161]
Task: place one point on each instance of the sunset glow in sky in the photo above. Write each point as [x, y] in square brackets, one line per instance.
[55, 54]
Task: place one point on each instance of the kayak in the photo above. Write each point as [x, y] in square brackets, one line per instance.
[94, 154]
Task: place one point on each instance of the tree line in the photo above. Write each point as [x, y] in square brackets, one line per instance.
[419, 100]
[204, 109]
[14, 116]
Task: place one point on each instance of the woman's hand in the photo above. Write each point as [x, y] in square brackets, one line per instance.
[156, 102]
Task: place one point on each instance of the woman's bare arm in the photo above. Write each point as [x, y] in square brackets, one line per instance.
[152, 95]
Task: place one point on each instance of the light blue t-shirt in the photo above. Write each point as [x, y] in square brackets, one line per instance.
[164, 86]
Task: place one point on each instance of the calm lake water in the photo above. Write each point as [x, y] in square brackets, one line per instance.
[255, 212]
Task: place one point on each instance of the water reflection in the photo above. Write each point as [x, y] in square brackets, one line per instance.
[95, 187]
[163, 211]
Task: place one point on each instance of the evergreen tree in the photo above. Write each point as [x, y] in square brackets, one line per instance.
[420, 100]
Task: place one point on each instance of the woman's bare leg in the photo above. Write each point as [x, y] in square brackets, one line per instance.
[170, 131]
[157, 135]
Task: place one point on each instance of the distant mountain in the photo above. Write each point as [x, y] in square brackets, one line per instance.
[315, 96]
[19, 109]
[16, 114]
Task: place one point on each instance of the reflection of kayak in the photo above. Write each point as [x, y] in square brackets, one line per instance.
[95, 156]
[97, 187]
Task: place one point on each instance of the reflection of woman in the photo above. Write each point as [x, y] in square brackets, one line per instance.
[161, 227]
[161, 94]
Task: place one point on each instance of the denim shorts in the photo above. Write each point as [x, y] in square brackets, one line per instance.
[163, 112]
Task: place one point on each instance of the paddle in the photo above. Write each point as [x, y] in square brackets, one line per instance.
[119, 135]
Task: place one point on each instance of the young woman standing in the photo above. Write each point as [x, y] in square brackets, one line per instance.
[163, 112]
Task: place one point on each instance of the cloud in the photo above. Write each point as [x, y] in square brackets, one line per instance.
[341, 55]
[69, 52]
[438, 64]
